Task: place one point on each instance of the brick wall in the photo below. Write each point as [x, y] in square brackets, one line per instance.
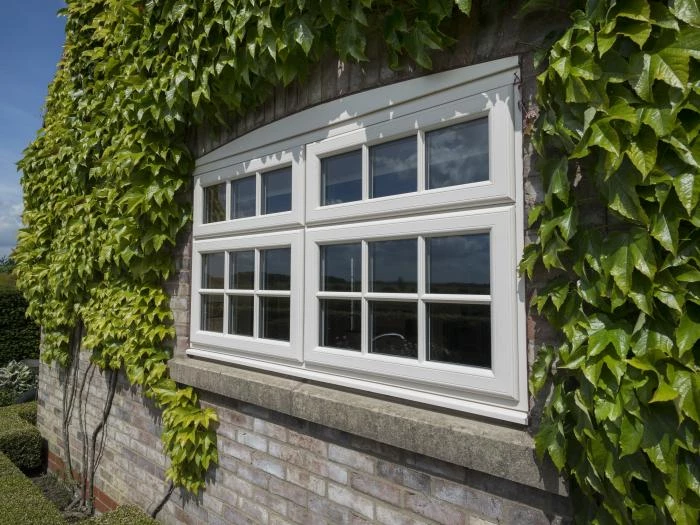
[275, 469]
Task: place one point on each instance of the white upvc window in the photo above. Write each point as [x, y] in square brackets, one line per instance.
[372, 242]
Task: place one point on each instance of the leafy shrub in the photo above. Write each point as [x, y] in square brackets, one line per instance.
[20, 440]
[7, 397]
[22, 503]
[25, 411]
[17, 378]
[124, 515]
[19, 336]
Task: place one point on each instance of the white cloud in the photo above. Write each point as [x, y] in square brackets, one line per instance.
[10, 222]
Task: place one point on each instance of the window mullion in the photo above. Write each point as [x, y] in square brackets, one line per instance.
[420, 162]
[364, 319]
[422, 331]
[258, 194]
[256, 299]
[365, 172]
[229, 205]
[227, 286]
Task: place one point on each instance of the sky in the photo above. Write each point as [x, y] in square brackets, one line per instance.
[31, 42]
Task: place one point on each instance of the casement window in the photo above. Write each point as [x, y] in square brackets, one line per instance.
[372, 242]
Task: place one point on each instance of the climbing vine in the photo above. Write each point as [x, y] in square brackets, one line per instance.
[106, 181]
[619, 234]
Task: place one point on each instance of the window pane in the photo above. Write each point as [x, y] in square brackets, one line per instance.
[393, 328]
[460, 333]
[243, 198]
[393, 266]
[275, 269]
[215, 203]
[240, 310]
[277, 191]
[459, 264]
[393, 167]
[242, 269]
[213, 270]
[458, 154]
[213, 313]
[341, 267]
[341, 178]
[274, 318]
[340, 324]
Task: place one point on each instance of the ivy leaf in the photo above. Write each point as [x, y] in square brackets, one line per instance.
[686, 10]
[541, 368]
[642, 150]
[622, 196]
[464, 5]
[303, 35]
[687, 188]
[550, 439]
[688, 331]
[664, 392]
[350, 40]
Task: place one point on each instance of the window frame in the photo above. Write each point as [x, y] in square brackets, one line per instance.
[380, 115]
[434, 376]
[256, 166]
[290, 351]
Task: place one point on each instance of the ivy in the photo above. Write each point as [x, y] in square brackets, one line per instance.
[106, 181]
[619, 135]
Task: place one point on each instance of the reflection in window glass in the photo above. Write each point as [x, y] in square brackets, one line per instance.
[460, 334]
[212, 313]
[213, 270]
[242, 269]
[393, 167]
[214, 203]
[277, 191]
[341, 267]
[243, 198]
[393, 266]
[240, 312]
[341, 178]
[274, 318]
[340, 323]
[458, 154]
[275, 269]
[459, 264]
[393, 328]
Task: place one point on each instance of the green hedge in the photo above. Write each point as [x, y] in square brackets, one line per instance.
[20, 440]
[19, 336]
[25, 411]
[124, 515]
[21, 502]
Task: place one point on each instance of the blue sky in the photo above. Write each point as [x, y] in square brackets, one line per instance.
[31, 42]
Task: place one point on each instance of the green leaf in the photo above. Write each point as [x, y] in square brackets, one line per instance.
[464, 5]
[664, 392]
[688, 331]
[687, 187]
[642, 150]
[350, 40]
[686, 10]
[303, 35]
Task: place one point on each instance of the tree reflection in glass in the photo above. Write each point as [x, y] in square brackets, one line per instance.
[393, 266]
[393, 167]
[214, 203]
[341, 178]
[458, 154]
[460, 334]
[459, 264]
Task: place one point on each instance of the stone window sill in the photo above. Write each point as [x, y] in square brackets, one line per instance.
[494, 449]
